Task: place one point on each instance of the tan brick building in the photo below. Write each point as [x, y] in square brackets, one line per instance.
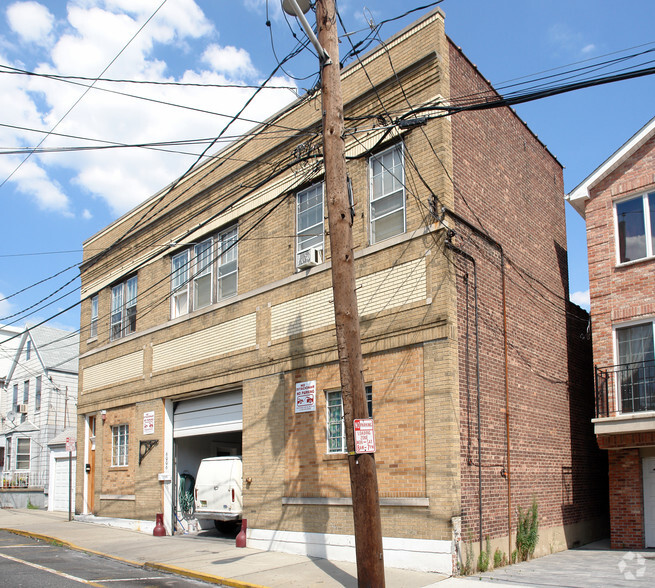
[617, 202]
[211, 301]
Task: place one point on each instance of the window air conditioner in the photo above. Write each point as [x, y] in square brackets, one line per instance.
[309, 258]
[22, 408]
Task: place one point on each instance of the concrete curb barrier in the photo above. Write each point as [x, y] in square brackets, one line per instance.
[210, 578]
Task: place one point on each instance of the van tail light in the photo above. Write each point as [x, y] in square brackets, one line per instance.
[195, 490]
[232, 494]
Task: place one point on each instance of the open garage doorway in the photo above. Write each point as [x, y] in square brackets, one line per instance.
[208, 426]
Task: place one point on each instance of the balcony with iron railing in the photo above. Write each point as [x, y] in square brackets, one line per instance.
[625, 397]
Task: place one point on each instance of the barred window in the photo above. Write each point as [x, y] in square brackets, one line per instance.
[119, 445]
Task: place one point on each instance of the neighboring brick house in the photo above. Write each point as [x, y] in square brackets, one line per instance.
[38, 400]
[617, 202]
[211, 301]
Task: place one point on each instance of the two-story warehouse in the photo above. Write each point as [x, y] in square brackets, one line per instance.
[211, 303]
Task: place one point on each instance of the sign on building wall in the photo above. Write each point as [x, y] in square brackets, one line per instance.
[364, 436]
[149, 422]
[306, 396]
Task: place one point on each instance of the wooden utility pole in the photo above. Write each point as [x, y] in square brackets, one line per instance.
[363, 479]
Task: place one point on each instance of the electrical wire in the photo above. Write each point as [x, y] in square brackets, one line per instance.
[61, 119]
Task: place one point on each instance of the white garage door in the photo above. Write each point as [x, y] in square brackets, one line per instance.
[219, 413]
[61, 484]
[649, 500]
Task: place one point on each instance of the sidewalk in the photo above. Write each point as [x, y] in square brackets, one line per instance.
[207, 558]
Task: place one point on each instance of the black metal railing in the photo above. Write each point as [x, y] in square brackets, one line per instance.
[625, 388]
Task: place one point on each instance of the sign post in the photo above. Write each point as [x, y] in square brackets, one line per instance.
[70, 447]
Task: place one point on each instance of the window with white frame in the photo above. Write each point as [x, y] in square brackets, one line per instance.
[15, 398]
[387, 194]
[635, 226]
[123, 308]
[192, 275]
[119, 445]
[23, 454]
[180, 284]
[336, 429]
[309, 220]
[93, 325]
[227, 263]
[635, 354]
[28, 350]
[203, 272]
[37, 394]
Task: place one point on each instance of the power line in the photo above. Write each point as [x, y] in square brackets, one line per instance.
[86, 91]
[7, 69]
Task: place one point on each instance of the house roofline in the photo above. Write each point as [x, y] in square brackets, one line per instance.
[582, 192]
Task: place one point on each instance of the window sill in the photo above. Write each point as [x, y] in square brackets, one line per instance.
[335, 457]
[623, 264]
[119, 468]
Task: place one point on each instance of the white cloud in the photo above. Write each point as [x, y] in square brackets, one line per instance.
[86, 214]
[581, 298]
[31, 21]
[95, 32]
[569, 42]
[229, 60]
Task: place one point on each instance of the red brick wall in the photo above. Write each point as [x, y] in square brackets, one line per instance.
[618, 294]
[626, 499]
[508, 184]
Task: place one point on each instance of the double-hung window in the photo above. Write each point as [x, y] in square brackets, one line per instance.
[120, 437]
[180, 284]
[123, 308]
[336, 429]
[387, 194]
[202, 277]
[227, 263]
[309, 221]
[635, 224]
[23, 454]
[93, 325]
[192, 275]
[635, 353]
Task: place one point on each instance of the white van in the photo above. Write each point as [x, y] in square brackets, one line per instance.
[218, 491]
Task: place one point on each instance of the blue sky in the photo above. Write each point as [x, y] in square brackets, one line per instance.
[54, 201]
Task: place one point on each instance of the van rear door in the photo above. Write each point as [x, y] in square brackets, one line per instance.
[218, 488]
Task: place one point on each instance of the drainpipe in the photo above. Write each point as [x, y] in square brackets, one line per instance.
[470, 258]
[508, 473]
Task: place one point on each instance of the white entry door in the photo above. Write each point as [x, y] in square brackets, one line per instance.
[649, 500]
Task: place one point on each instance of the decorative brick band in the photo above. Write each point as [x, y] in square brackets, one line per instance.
[624, 440]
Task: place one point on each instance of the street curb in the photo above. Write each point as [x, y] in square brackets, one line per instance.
[201, 576]
[210, 578]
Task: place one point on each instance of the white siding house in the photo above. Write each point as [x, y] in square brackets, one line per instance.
[38, 400]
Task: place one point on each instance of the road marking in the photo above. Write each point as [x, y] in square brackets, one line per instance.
[31, 545]
[127, 579]
[50, 570]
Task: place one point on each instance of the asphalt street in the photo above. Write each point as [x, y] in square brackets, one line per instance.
[30, 563]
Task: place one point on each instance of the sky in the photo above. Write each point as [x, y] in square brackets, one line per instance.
[55, 199]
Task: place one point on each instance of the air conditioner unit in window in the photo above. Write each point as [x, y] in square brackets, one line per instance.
[22, 408]
[309, 258]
